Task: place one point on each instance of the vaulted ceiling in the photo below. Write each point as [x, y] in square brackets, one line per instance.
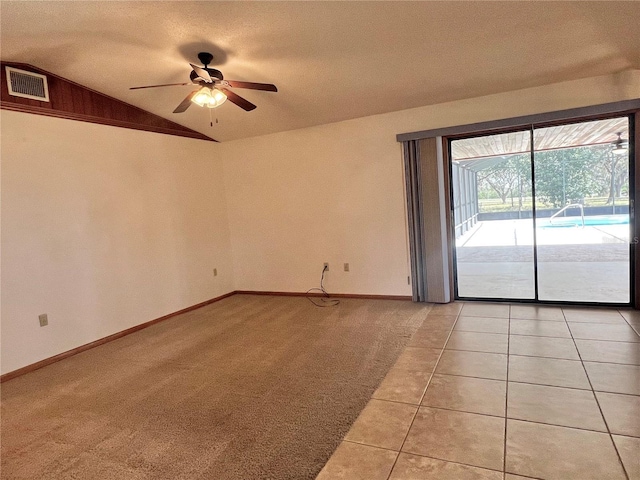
[331, 61]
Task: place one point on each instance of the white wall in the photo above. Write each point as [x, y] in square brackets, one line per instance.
[323, 194]
[103, 228]
[334, 193]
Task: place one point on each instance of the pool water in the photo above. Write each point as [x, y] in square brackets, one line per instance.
[563, 222]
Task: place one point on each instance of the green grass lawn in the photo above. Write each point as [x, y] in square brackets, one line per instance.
[490, 205]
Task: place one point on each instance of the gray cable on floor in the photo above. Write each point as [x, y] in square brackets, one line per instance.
[326, 300]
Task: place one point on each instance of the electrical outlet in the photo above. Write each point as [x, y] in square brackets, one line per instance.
[326, 267]
[44, 320]
[215, 272]
[346, 267]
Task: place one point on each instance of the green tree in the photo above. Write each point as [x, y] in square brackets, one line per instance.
[509, 178]
[614, 175]
[568, 175]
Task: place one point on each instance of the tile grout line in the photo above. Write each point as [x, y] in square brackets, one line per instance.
[519, 381]
[625, 322]
[523, 420]
[369, 445]
[606, 424]
[635, 329]
[620, 394]
[438, 361]
[530, 383]
[506, 401]
[579, 338]
[429, 456]
[528, 355]
[425, 390]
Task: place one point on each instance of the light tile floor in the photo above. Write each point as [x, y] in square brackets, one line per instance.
[504, 392]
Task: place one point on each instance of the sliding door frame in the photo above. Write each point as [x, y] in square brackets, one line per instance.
[630, 108]
[532, 152]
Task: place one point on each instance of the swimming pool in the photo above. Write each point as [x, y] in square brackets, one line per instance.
[596, 220]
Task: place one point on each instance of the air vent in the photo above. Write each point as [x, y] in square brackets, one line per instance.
[27, 84]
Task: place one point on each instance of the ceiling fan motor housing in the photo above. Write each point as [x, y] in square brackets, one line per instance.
[215, 74]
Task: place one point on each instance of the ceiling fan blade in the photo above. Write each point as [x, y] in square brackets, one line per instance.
[267, 87]
[202, 73]
[163, 85]
[238, 100]
[185, 103]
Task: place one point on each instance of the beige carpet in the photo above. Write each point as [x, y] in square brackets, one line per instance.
[251, 387]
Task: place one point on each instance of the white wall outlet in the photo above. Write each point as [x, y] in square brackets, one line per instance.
[44, 320]
[326, 267]
[215, 272]
[346, 267]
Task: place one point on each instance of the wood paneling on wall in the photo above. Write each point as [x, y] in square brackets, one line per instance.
[75, 102]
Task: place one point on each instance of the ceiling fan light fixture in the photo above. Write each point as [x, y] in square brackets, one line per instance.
[217, 99]
[209, 97]
[619, 150]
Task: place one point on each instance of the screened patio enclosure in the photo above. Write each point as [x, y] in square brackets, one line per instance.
[543, 213]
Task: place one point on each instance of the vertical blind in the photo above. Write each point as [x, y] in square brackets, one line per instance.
[414, 210]
[428, 220]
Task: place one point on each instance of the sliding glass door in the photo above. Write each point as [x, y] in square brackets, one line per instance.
[543, 213]
[582, 211]
[493, 216]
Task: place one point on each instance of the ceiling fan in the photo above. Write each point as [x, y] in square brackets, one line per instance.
[213, 89]
[620, 145]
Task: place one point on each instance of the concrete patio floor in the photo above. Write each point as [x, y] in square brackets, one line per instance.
[581, 264]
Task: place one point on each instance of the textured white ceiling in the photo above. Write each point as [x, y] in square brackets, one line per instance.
[331, 60]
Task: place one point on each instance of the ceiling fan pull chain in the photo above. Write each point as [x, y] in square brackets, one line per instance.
[211, 118]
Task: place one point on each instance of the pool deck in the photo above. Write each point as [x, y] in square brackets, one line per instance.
[582, 264]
